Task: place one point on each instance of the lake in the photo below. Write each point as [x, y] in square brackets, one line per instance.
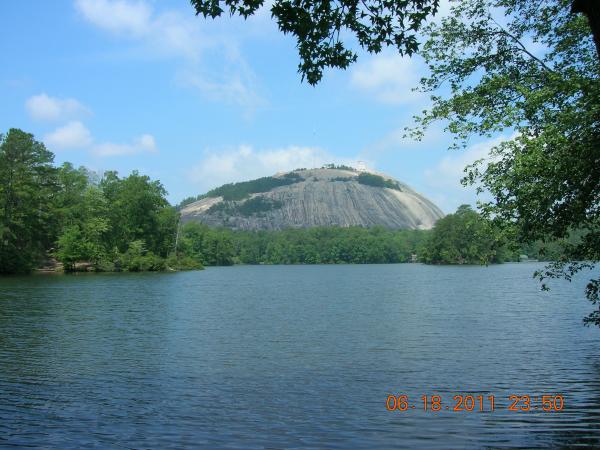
[296, 357]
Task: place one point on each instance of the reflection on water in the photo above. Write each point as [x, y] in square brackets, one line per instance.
[296, 356]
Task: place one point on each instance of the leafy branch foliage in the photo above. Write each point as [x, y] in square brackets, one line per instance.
[320, 25]
[545, 180]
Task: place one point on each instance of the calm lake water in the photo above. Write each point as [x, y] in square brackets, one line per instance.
[294, 357]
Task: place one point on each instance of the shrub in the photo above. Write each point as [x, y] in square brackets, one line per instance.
[183, 263]
[138, 259]
[371, 179]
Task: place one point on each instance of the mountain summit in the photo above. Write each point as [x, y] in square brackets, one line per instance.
[330, 196]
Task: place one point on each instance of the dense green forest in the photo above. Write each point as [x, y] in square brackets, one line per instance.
[459, 238]
[105, 222]
[320, 245]
[74, 215]
[465, 238]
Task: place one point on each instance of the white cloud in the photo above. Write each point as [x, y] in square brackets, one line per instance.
[397, 141]
[237, 88]
[173, 34]
[246, 163]
[166, 34]
[118, 16]
[52, 109]
[72, 135]
[142, 144]
[450, 169]
[444, 177]
[75, 135]
[389, 78]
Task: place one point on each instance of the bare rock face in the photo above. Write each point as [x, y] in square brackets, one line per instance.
[320, 197]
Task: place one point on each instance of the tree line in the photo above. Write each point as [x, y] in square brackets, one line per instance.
[318, 245]
[460, 238]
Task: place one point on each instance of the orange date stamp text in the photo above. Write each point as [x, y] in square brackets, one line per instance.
[476, 403]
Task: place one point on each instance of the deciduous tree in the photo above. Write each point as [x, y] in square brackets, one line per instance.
[528, 68]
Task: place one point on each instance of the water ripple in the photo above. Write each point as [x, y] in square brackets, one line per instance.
[294, 357]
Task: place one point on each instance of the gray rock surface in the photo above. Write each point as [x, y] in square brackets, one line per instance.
[319, 200]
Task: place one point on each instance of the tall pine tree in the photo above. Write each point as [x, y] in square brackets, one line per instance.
[27, 186]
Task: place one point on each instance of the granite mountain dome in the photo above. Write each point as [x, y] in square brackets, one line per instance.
[330, 196]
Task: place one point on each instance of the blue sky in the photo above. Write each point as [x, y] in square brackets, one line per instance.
[147, 85]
